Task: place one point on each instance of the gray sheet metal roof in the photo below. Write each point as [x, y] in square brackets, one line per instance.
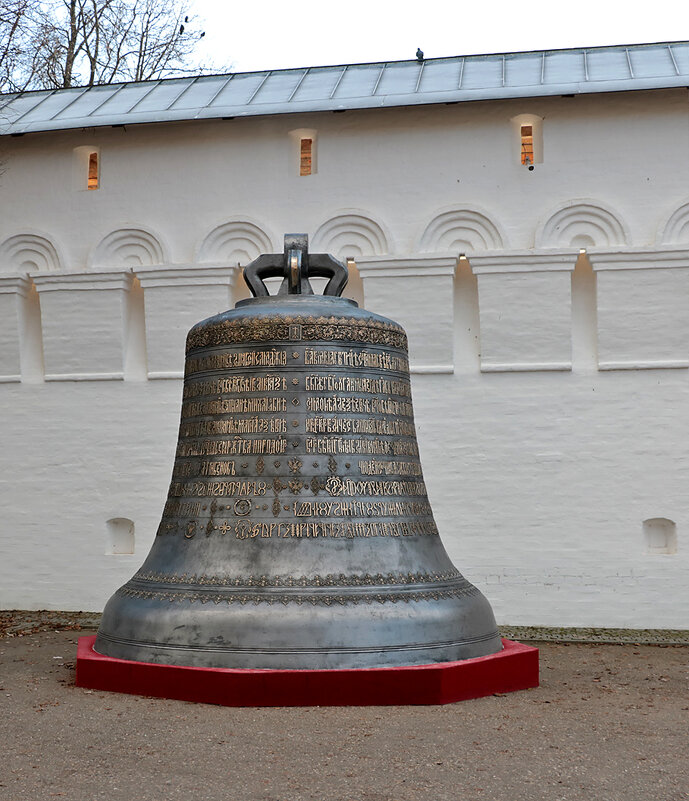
[352, 86]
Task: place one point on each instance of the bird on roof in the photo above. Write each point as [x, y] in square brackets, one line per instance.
[419, 54]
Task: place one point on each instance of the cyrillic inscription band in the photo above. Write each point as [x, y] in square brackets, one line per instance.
[351, 405]
[348, 383]
[338, 486]
[374, 468]
[334, 485]
[238, 445]
[235, 384]
[233, 406]
[358, 425]
[231, 359]
[361, 508]
[356, 358]
[216, 488]
[376, 447]
[247, 529]
[405, 528]
[235, 425]
[218, 468]
[182, 509]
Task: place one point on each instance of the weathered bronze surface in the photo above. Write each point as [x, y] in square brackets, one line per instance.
[297, 531]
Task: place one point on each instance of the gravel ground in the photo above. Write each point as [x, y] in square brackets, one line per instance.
[609, 722]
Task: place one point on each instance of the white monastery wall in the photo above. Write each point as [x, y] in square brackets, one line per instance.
[550, 385]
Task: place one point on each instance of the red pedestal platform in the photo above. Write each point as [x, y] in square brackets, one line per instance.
[514, 668]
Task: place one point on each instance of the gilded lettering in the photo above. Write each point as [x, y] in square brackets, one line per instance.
[233, 359]
[237, 445]
[356, 358]
[352, 405]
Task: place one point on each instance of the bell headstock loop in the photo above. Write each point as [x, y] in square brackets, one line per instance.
[296, 265]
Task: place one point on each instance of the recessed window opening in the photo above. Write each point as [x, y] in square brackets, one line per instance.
[305, 157]
[303, 152]
[86, 168]
[92, 179]
[660, 535]
[527, 145]
[528, 140]
[119, 536]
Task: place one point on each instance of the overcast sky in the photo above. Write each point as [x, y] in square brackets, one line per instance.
[273, 34]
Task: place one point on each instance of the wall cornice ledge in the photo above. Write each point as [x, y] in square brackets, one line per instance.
[97, 279]
[524, 261]
[19, 284]
[118, 376]
[399, 267]
[165, 375]
[638, 259]
[431, 369]
[670, 364]
[187, 275]
[525, 367]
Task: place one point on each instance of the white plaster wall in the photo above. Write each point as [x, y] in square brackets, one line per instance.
[174, 301]
[540, 480]
[643, 317]
[84, 325]
[12, 298]
[525, 320]
[399, 166]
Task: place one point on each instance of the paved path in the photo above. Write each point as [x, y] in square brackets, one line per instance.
[608, 723]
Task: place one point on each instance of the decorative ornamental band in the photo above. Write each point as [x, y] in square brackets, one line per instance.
[179, 596]
[296, 329]
[330, 580]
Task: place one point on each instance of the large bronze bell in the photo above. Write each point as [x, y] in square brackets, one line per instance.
[297, 531]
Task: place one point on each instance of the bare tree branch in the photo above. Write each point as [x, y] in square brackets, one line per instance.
[56, 44]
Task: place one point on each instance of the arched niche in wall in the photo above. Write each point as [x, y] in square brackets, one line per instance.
[128, 247]
[462, 231]
[119, 537]
[582, 224]
[28, 252]
[660, 535]
[351, 234]
[20, 309]
[121, 251]
[675, 229]
[235, 242]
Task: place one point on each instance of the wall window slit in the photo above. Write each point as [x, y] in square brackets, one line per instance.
[303, 152]
[306, 153]
[528, 140]
[92, 179]
[527, 145]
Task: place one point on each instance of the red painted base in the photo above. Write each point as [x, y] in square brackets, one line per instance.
[514, 668]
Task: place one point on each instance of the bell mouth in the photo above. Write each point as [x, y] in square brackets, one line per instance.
[439, 627]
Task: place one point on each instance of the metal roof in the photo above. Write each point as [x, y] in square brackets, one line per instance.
[352, 86]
